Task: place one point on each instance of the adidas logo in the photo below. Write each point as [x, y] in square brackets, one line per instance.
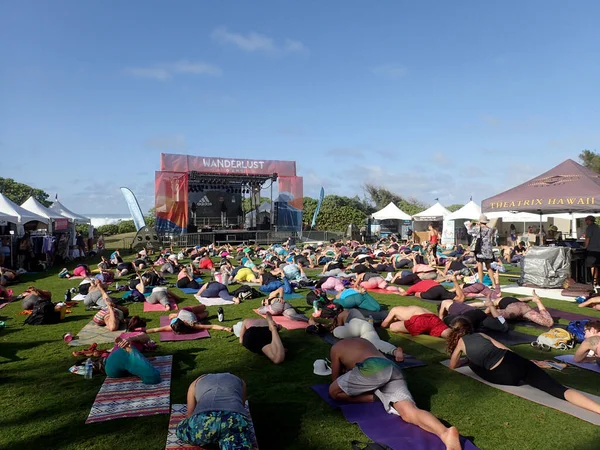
[204, 201]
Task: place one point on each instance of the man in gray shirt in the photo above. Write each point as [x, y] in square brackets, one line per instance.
[592, 245]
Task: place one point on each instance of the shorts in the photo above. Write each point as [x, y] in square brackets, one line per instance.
[228, 430]
[378, 375]
[592, 259]
[255, 338]
[100, 315]
[484, 260]
[438, 293]
[245, 274]
[206, 264]
[425, 324]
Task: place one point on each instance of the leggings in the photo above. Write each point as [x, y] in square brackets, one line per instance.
[479, 320]
[384, 268]
[161, 297]
[438, 293]
[363, 329]
[479, 290]
[404, 262]
[332, 284]
[185, 282]
[122, 363]
[520, 310]
[216, 289]
[515, 369]
[332, 273]
[408, 280]
[374, 283]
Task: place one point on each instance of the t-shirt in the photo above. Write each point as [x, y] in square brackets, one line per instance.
[219, 392]
[421, 286]
[592, 233]
[347, 292]
[187, 316]
[267, 278]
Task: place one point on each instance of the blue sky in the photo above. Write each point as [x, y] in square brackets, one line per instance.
[431, 99]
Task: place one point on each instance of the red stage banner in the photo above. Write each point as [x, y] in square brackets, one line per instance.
[171, 189]
[226, 166]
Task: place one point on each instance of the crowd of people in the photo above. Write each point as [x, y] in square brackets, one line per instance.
[363, 365]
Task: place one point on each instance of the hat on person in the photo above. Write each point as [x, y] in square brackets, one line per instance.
[483, 219]
[320, 367]
[592, 218]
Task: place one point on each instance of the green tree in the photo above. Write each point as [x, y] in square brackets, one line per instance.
[590, 159]
[83, 228]
[308, 209]
[150, 218]
[248, 207]
[126, 226]
[381, 197]
[19, 192]
[454, 207]
[108, 230]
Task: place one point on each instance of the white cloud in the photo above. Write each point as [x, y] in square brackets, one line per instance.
[163, 72]
[176, 141]
[392, 70]
[255, 42]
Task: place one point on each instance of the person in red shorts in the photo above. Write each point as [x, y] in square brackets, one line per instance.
[432, 290]
[205, 263]
[415, 320]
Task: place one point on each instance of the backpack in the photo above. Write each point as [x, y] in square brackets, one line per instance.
[577, 329]
[316, 295]
[43, 314]
[555, 338]
[243, 289]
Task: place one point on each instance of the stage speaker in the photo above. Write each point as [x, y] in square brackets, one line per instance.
[192, 228]
[146, 237]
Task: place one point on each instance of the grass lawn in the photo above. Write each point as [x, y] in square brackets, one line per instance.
[43, 406]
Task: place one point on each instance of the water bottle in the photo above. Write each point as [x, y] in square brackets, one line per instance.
[89, 369]
[371, 320]
[220, 314]
[316, 305]
[117, 286]
[68, 296]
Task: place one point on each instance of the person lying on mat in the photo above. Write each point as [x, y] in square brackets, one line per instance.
[261, 336]
[497, 364]
[432, 290]
[32, 296]
[592, 302]
[160, 294]
[270, 282]
[110, 316]
[589, 350]
[479, 290]
[415, 320]
[125, 360]
[124, 268]
[450, 310]
[185, 279]
[371, 375]
[245, 275]
[214, 289]
[351, 323]
[277, 306]
[7, 276]
[330, 284]
[372, 280]
[512, 308]
[188, 320]
[357, 298]
[216, 414]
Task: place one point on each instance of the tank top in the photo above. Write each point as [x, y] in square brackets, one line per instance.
[434, 239]
[219, 392]
[457, 309]
[370, 275]
[507, 301]
[481, 351]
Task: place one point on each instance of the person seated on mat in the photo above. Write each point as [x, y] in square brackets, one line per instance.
[357, 298]
[371, 375]
[512, 308]
[432, 290]
[125, 360]
[372, 280]
[277, 306]
[245, 275]
[214, 289]
[32, 296]
[351, 323]
[261, 336]
[592, 302]
[415, 320]
[450, 310]
[589, 350]
[216, 415]
[185, 279]
[188, 320]
[497, 364]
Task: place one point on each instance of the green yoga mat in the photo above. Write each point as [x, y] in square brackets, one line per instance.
[434, 343]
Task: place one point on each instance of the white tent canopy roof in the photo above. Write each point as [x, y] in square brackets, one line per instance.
[434, 212]
[391, 211]
[8, 217]
[67, 213]
[23, 216]
[33, 205]
[470, 211]
[514, 216]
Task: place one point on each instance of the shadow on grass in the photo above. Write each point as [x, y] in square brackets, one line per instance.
[10, 349]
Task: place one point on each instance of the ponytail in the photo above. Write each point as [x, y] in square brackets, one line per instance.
[459, 328]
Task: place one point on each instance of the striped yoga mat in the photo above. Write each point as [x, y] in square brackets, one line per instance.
[129, 397]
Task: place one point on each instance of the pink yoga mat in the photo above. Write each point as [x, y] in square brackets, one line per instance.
[149, 307]
[382, 291]
[2, 305]
[287, 323]
[170, 336]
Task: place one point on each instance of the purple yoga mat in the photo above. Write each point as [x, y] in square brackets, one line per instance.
[594, 367]
[569, 315]
[384, 428]
[170, 336]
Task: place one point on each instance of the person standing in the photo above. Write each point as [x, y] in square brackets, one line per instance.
[484, 252]
[80, 244]
[434, 239]
[592, 247]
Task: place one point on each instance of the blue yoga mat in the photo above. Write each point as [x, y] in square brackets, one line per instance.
[127, 294]
[188, 290]
[292, 296]
[594, 367]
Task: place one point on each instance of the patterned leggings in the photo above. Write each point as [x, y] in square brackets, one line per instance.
[522, 310]
[231, 431]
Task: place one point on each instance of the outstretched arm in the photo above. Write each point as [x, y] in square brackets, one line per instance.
[585, 347]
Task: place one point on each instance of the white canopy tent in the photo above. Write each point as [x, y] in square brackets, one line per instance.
[391, 211]
[59, 208]
[470, 211]
[435, 213]
[33, 205]
[454, 232]
[7, 218]
[23, 216]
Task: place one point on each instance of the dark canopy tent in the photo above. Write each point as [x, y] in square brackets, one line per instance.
[569, 187]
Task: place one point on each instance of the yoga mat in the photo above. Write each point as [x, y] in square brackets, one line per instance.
[554, 294]
[166, 336]
[382, 291]
[540, 397]
[425, 340]
[78, 298]
[149, 307]
[188, 290]
[292, 296]
[129, 397]
[178, 413]
[128, 294]
[384, 428]
[594, 367]
[213, 301]
[511, 337]
[557, 313]
[91, 333]
[286, 322]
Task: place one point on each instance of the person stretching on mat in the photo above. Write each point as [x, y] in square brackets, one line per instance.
[216, 415]
[277, 306]
[450, 310]
[357, 298]
[415, 320]
[126, 360]
[432, 290]
[593, 302]
[187, 320]
[214, 289]
[589, 350]
[185, 279]
[497, 364]
[261, 336]
[512, 308]
[368, 375]
[110, 316]
[371, 280]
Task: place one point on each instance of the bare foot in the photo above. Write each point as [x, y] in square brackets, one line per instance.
[399, 354]
[167, 307]
[451, 439]
[536, 298]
